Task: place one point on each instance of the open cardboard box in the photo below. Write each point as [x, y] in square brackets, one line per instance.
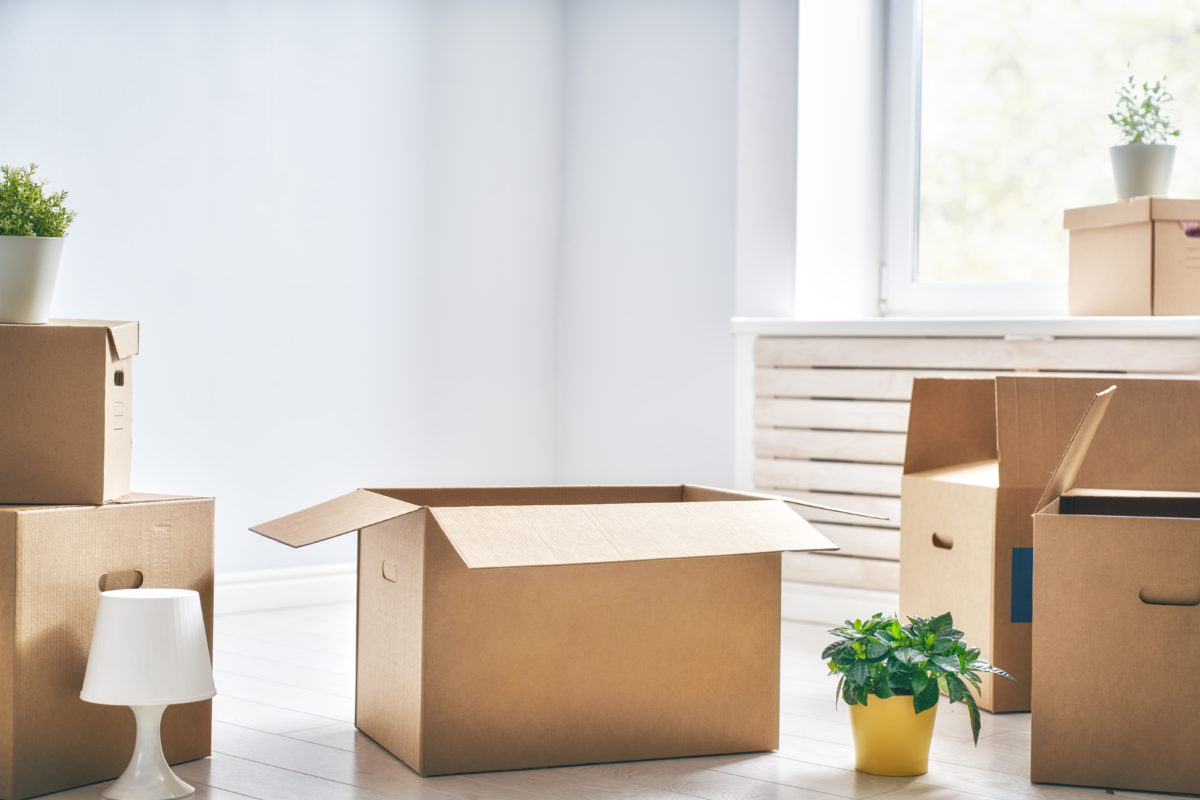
[1136, 256]
[54, 562]
[66, 398]
[503, 628]
[1116, 635]
[979, 454]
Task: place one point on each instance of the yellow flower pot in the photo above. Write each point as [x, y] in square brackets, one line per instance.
[890, 738]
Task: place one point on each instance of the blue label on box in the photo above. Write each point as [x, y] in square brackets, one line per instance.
[1022, 584]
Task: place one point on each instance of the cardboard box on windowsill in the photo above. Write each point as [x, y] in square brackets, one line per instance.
[1116, 701]
[1134, 257]
[54, 562]
[66, 401]
[979, 453]
[507, 628]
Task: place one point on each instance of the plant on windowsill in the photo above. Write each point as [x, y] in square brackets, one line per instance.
[32, 226]
[1142, 162]
[891, 676]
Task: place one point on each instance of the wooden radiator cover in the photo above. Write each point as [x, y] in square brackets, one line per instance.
[830, 416]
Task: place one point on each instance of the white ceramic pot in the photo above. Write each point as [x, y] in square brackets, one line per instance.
[1141, 169]
[28, 269]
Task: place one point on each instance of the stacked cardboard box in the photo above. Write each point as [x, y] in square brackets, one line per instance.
[69, 529]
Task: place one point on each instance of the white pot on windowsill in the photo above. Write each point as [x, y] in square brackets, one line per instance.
[1142, 169]
[28, 269]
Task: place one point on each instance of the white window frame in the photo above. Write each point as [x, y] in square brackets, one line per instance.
[901, 294]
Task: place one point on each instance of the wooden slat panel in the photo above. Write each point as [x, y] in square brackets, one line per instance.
[1122, 355]
[857, 415]
[868, 504]
[863, 573]
[881, 448]
[857, 384]
[831, 476]
[861, 541]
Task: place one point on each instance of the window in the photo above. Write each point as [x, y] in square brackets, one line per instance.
[995, 123]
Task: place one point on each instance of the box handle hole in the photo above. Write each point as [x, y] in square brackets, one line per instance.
[119, 378]
[390, 573]
[120, 579]
[943, 541]
[1170, 594]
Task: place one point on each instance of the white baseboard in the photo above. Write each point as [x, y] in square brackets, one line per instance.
[285, 587]
[833, 605]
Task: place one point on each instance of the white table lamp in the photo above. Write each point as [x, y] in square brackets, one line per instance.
[149, 651]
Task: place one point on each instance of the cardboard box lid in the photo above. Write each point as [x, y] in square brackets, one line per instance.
[1064, 475]
[122, 336]
[950, 421]
[1133, 210]
[545, 535]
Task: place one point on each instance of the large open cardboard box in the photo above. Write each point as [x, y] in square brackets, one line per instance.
[66, 401]
[503, 628]
[1116, 636]
[979, 454]
[1136, 256]
[54, 561]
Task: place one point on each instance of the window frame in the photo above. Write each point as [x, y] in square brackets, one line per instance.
[901, 293]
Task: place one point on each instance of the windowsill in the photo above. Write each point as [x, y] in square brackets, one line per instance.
[1016, 327]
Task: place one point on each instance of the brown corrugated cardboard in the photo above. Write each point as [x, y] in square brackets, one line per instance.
[53, 563]
[502, 628]
[1116, 594]
[1139, 256]
[979, 454]
[66, 402]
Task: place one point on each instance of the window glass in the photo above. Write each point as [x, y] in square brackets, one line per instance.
[1014, 128]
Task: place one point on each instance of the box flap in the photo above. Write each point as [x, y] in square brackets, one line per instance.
[520, 536]
[692, 492]
[1067, 470]
[1174, 209]
[349, 512]
[122, 336]
[1122, 212]
[950, 421]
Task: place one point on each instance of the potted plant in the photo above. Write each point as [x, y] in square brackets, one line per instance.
[891, 676]
[32, 227]
[1142, 163]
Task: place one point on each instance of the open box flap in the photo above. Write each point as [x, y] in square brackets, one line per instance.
[520, 536]
[950, 421]
[344, 514]
[694, 492]
[1067, 470]
[122, 336]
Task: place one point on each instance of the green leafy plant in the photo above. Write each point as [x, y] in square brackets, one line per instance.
[26, 209]
[1140, 115]
[924, 658]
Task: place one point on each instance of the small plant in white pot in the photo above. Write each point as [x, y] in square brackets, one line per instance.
[1142, 163]
[32, 226]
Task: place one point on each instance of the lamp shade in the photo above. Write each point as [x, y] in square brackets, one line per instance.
[148, 648]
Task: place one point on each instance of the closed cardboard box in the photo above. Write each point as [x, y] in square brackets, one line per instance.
[528, 627]
[1116, 639]
[1139, 256]
[66, 403]
[979, 454]
[54, 561]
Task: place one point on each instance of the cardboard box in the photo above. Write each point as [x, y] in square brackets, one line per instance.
[66, 406]
[54, 561]
[979, 453]
[1116, 643]
[506, 628]
[1139, 256]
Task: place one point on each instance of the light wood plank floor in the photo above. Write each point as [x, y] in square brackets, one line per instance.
[283, 730]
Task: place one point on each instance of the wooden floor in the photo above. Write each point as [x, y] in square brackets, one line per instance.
[283, 730]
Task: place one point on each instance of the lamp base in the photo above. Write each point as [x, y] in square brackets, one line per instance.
[148, 776]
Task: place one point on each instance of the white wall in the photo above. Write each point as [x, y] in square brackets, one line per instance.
[386, 242]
